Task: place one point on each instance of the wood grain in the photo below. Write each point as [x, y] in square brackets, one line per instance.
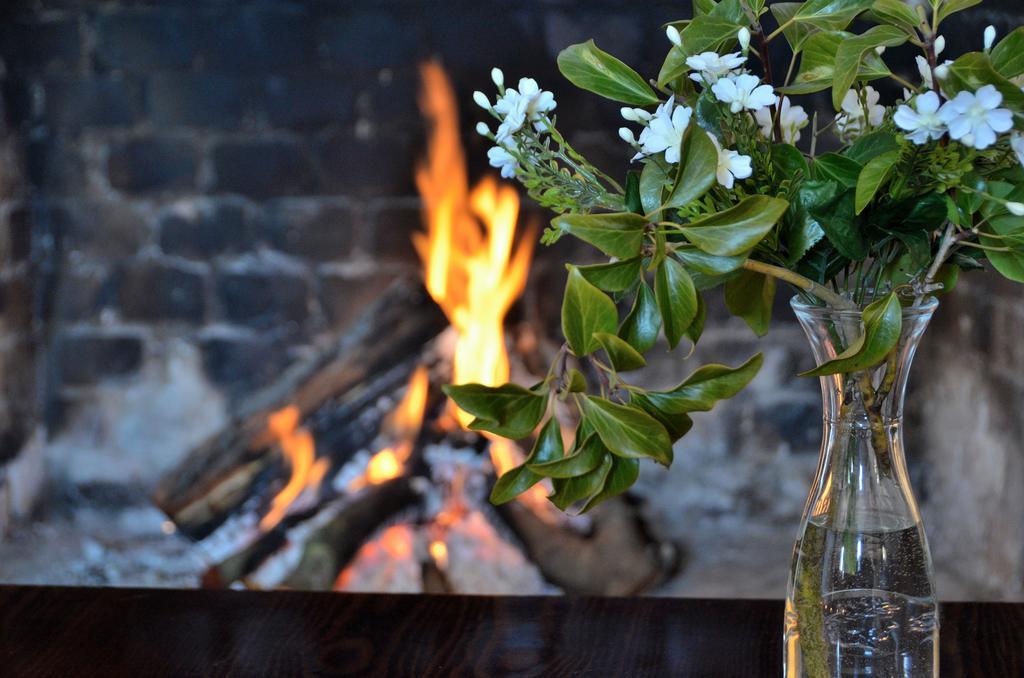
[52, 631]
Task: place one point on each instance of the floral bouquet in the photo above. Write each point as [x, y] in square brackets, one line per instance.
[731, 190]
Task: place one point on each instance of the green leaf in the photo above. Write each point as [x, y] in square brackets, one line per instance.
[628, 431]
[622, 356]
[696, 328]
[568, 491]
[898, 13]
[1009, 264]
[677, 425]
[677, 299]
[654, 179]
[640, 328]
[1008, 55]
[874, 174]
[750, 296]
[705, 33]
[841, 226]
[616, 276]
[509, 411]
[515, 481]
[697, 166]
[817, 65]
[796, 33]
[838, 168]
[709, 264]
[882, 326]
[801, 230]
[632, 199]
[789, 161]
[737, 229]
[577, 383]
[706, 387]
[585, 457]
[617, 235]
[620, 478]
[830, 15]
[871, 145]
[587, 67]
[950, 6]
[850, 53]
[973, 71]
[585, 311]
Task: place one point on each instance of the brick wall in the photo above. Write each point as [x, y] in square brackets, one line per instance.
[196, 189]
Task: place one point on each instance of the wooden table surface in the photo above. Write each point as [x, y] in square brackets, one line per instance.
[71, 632]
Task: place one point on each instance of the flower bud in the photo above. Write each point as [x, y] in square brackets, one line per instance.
[628, 113]
[498, 77]
[627, 135]
[481, 100]
[744, 38]
[673, 36]
[880, 50]
[990, 37]
[482, 129]
[940, 45]
[942, 71]
[1016, 208]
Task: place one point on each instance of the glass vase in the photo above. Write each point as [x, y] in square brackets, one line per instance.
[861, 598]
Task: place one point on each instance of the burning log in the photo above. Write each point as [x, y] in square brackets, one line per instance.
[333, 396]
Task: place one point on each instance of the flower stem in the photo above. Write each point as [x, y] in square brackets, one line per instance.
[806, 284]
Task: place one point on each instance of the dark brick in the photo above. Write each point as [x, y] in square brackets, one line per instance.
[263, 298]
[17, 302]
[98, 229]
[47, 44]
[153, 291]
[315, 228]
[92, 102]
[19, 232]
[239, 360]
[308, 100]
[151, 164]
[85, 357]
[261, 168]
[144, 39]
[257, 39]
[196, 99]
[383, 98]
[55, 164]
[344, 298]
[368, 39]
[81, 295]
[19, 102]
[201, 228]
[391, 229]
[382, 165]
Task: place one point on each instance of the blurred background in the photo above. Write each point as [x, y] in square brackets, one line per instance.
[221, 367]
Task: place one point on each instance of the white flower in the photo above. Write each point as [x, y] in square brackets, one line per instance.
[744, 92]
[482, 129]
[926, 71]
[942, 70]
[922, 121]
[990, 37]
[517, 105]
[635, 114]
[503, 160]
[1016, 208]
[665, 131]
[744, 39]
[792, 119]
[731, 165]
[481, 100]
[627, 135]
[940, 45]
[497, 77]
[713, 66]
[673, 36]
[974, 119]
[1017, 144]
[855, 112]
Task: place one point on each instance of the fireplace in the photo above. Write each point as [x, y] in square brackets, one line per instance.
[211, 211]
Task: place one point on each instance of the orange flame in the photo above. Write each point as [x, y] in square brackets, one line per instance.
[403, 423]
[470, 268]
[298, 448]
[439, 552]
